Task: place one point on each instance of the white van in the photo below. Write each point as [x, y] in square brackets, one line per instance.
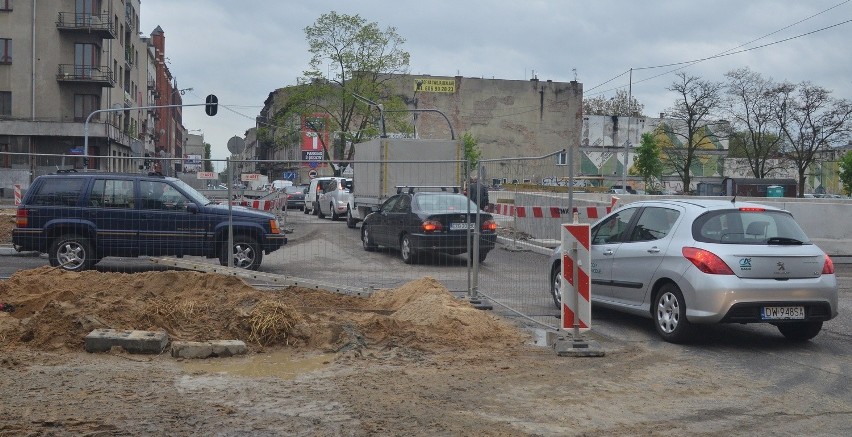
[315, 189]
[279, 184]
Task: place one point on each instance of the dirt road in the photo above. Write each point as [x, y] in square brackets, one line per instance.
[407, 361]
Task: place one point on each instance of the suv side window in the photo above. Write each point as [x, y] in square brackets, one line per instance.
[59, 192]
[111, 193]
[160, 195]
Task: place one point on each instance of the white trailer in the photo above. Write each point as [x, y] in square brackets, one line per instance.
[381, 165]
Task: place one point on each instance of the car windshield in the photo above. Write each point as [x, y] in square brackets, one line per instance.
[748, 226]
[192, 193]
[443, 202]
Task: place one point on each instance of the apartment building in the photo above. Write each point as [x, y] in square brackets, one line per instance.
[61, 60]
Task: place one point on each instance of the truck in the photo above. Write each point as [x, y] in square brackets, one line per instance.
[382, 165]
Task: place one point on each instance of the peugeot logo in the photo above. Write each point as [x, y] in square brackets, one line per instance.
[781, 267]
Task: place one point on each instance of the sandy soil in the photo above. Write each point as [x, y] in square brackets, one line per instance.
[407, 361]
[7, 223]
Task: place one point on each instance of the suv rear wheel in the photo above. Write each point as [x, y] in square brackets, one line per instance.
[245, 251]
[72, 252]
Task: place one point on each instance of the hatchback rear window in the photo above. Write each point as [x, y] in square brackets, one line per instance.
[59, 192]
[747, 226]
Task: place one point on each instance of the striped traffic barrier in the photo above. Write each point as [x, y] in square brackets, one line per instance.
[585, 212]
[17, 194]
[576, 284]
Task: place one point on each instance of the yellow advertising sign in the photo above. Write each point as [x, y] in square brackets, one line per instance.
[425, 85]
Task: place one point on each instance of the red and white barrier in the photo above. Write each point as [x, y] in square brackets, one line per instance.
[576, 297]
[17, 194]
[585, 212]
[262, 205]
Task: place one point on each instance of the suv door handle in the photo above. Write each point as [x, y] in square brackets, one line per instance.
[654, 249]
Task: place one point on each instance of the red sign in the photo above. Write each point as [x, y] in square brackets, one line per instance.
[314, 135]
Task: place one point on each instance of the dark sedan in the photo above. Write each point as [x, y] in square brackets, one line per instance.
[420, 222]
[295, 196]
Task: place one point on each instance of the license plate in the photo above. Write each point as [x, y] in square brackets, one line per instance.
[461, 226]
[781, 313]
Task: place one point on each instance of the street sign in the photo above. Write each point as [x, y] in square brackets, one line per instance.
[207, 175]
[247, 177]
[312, 174]
[236, 145]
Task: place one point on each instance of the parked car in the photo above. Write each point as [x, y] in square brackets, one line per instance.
[295, 196]
[334, 200]
[315, 189]
[80, 218]
[690, 262]
[418, 222]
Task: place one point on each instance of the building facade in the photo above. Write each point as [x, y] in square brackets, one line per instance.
[62, 60]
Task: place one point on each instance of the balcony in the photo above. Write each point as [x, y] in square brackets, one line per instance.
[71, 73]
[100, 25]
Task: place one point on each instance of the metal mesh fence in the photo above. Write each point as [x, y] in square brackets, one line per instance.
[379, 224]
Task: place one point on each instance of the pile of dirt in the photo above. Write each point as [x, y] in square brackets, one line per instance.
[55, 309]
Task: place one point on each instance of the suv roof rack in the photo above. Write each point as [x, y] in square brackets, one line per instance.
[411, 188]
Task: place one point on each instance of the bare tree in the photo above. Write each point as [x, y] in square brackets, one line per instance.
[752, 107]
[811, 121]
[693, 113]
[617, 105]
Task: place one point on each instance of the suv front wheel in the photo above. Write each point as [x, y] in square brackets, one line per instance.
[245, 251]
[72, 252]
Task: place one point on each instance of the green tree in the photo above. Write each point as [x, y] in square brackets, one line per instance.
[648, 163]
[208, 165]
[349, 57]
[472, 153]
[621, 105]
[845, 165]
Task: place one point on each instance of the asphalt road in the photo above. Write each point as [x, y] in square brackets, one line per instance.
[327, 251]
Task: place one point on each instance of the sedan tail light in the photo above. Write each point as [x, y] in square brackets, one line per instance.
[431, 226]
[706, 261]
[828, 267]
[21, 218]
[489, 225]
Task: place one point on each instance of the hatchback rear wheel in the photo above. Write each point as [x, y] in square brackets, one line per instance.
[800, 331]
[670, 315]
[556, 285]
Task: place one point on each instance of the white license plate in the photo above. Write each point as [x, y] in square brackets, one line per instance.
[461, 226]
[781, 313]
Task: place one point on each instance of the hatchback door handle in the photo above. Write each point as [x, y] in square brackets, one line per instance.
[654, 249]
[608, 252]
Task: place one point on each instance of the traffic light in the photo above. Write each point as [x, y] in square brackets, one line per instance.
[212, 105]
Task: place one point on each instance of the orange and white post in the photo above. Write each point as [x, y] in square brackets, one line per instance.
[17, 194]
[576, 283]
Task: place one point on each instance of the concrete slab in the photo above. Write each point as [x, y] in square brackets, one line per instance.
[207, 349]
[135, 342]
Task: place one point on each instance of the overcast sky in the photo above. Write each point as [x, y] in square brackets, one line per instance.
[241, 51]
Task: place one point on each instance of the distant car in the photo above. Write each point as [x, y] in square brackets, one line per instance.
[295, 196]
[698, 261]
[421, 222]
[315, 190]
[334, 200]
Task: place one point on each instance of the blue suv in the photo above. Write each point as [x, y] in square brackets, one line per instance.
[80, 218]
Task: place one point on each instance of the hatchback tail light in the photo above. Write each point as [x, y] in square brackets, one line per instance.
[489, 225]
[22, 218]
[828, 267]
[431, 226]
[706, 261]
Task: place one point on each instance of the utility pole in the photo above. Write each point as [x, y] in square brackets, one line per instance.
[627, 143]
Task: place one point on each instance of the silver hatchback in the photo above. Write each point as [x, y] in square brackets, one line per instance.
[689, 262]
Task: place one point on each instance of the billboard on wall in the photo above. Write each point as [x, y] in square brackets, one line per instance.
[314, 135]
[191, 163]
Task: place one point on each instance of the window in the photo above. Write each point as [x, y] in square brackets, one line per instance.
[5, 103]
[112, 194]
[160, 195]
[86, 59]
[5, 50]
[5, 5]
[611, 230]
[85, 104]
[59, 192]
[653, 224]
[562, 158]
